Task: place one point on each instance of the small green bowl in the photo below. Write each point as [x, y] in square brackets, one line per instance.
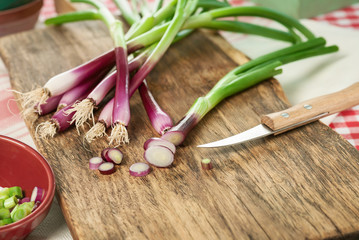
[8, 4]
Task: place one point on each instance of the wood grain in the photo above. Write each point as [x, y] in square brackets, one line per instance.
[303, 184]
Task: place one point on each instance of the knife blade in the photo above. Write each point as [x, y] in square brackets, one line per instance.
[295, 116]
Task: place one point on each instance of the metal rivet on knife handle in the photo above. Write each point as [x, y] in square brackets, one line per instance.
[286, 115]
[307, 106]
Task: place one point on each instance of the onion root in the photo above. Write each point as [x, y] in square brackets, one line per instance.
[119, 135]
[35, 97]
[83, 111]
[97, 131]
[46, 129]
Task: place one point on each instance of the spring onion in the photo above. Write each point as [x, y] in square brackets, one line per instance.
[59, 122]
[31, 114]
[160, 120]
[65, 81]
[183, 10]
[126, 11]
[202, 20]
[104, 122]
[121, 106]
[60, 101]
[159, 29]
[241, 78]
[62, 119]
[80, 91]
[84, 109]
[208, 20]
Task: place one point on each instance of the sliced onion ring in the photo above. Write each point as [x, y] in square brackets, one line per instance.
[37, 194]
[206, 164]
[103, 153]
[107, 168]
[159, 142]
[113, 155]
[159, 156]
[95, 162]
[139, 169]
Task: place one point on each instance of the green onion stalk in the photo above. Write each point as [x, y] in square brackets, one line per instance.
[150, 29]
[184, 9]
[208, 20]
[147, 23]
[127, 13]
[256, 11]
[153, 29]
[121, 107]
[83, 110]
[241, 78]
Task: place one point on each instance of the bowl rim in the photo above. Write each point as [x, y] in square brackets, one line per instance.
[37, 3]
[50, 192]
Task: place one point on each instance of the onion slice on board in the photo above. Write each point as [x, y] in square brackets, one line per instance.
[107, 168]
[139, 169]
[113, 155]
[95, 162]
[159, 156]
[159, 142]
[103, 153]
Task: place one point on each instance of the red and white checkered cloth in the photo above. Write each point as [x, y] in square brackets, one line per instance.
[346, 123]
[347, 17]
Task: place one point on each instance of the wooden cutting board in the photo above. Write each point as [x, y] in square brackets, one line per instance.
[303, 184]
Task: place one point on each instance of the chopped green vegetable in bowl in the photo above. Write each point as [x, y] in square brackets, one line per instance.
[25, 179]
[14, 206]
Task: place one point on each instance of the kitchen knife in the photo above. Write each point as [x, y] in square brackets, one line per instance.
[293, 117]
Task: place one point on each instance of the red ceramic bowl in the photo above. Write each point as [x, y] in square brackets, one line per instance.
[21, 165]
[20, 18]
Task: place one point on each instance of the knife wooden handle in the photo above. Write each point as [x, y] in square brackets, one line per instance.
[313, 109]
